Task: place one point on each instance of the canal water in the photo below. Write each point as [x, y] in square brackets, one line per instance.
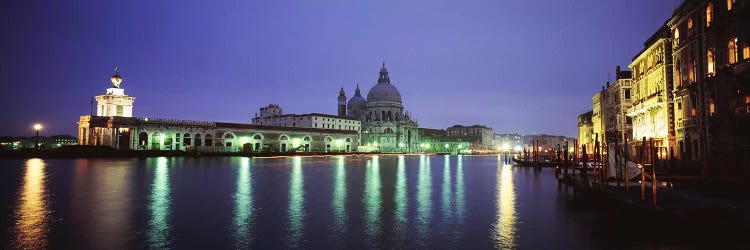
[349, 202]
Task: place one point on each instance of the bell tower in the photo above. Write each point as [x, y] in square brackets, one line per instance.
[114, 102]
[342, 102]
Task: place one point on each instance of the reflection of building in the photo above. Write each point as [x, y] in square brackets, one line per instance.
[121, 130]
[615, 102]
[652, 112]
[313, 120]
[385, 124]
[586, 130]
[482, 138]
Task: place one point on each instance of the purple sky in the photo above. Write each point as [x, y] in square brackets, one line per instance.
[517, 66]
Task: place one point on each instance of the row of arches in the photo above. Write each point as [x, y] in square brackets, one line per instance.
[231, 142]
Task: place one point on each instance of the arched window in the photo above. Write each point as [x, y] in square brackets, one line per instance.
[677, 37]
[390, 116]
[328, 139]
[283, 138]
[746, 52]
[142, 140]
[730, 4]
[186, 139]
[209, 140]
[383, 115]
[711, 65]
[307, 138]
[257, 137]
[732, 49]
[678, 73]
[690, 23]
[709, 14]
[228, 136]
[348, 140]
[156, 141]
[198, 141]
[388, 130]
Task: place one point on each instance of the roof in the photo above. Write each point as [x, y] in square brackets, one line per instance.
[310, 114]
[221, 125]
[465, 127]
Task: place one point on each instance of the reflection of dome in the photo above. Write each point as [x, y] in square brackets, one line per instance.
[356, 104]
[384, 90]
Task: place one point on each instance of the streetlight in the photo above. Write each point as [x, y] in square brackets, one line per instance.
[37, 127]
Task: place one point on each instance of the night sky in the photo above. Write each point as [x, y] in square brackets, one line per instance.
[517, 66]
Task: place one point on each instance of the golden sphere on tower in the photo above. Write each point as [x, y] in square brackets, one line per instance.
[116, 78]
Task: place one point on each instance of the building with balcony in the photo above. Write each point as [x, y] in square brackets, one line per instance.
[652, 111]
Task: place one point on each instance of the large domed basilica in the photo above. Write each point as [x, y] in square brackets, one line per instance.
[385, 125]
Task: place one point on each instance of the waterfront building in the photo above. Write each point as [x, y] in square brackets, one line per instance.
[586, 130]
[687, 32]
[722, 41]
[597, 121]
[272, 116]
[480, 137]
[385, 124]
[122, 131]
[508, 142]
[548, 142]
[438, 141]
[617, 99]
[45, 142]
[652, 111]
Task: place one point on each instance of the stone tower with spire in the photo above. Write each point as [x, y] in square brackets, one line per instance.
[115, 102]
[342, 102]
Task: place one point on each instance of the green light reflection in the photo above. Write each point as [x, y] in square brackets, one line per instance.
[424, 191]
[372, 197]
[158, 232]
[296, 203]
[460, 200]
[339, 197]
[243, 200]
[447, 195]
[399, 199]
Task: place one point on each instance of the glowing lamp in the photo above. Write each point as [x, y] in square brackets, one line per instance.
[37, 127]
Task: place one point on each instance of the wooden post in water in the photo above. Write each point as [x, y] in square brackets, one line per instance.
[653, 174]
[625, 156]
[584, 169]
[643, 169]
[596, 157]
[618, 173]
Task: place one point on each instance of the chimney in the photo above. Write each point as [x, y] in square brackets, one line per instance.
[607, 84]
[602, 88]
[617, 71]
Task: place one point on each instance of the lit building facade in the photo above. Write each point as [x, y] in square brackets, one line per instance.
[122, 131]
[652, 112]
[438, 141]
[480, 137]
[312, 120]
[586, 130]
[615, 102]
[597, 121]
[508, 142]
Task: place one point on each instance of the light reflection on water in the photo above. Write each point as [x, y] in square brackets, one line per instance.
[160, 202]
[339, 199]
[32, 214]
[393, 202]
[243, 201]
[505, 225]
[296, 204]
[424, 200]
[372, 199]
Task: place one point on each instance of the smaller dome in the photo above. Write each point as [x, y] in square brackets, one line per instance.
[356, 104]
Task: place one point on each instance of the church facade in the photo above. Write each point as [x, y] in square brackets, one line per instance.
[386, 125]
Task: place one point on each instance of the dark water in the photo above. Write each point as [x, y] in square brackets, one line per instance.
[276, 203]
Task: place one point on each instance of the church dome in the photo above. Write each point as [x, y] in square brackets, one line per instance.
[384, 90]
[356, 103]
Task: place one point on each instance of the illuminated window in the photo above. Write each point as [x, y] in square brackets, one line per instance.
[677, 37]
[730, 4]
[691, 71]
[693, 112]
[746, 52]
[732, 50]
[678, 74]
[711, 107]
[709, 14]
[690, 23]
[711, 65]
[747, 99]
